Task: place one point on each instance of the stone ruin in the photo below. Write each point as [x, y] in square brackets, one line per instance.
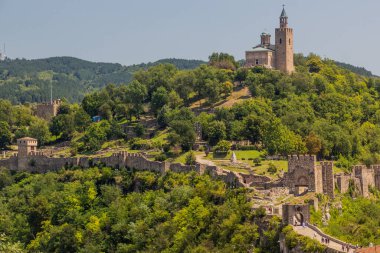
[360, 180]
[30, 159]
[47, 110]
[305, 174]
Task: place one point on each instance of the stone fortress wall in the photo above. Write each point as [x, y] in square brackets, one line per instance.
[36, 161]
[304, 174]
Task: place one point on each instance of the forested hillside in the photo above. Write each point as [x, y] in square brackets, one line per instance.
[105, 210]
[322, 109]
[24, 81]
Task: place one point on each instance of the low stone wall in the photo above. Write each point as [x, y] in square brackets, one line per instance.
[255, 180]
[318, 231]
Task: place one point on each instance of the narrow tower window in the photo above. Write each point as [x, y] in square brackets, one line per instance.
[289, 41]
[280, 41]
[257, 61]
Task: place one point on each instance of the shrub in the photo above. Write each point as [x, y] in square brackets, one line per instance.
[190, 158]
[160, 157]
[272, 168]
[257, 161]
[249, 147]
[140, 144]
[139, 130]
[222, 146]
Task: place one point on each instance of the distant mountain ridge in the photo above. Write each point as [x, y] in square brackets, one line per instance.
[24, 80]
[30, 81]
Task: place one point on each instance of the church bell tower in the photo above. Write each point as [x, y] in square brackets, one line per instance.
[284, 45]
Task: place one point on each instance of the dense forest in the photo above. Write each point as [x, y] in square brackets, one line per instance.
[105, 210]
[24, 81]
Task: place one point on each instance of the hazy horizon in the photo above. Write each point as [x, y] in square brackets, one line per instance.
[133, 32]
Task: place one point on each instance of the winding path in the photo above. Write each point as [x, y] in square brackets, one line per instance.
[316, 234]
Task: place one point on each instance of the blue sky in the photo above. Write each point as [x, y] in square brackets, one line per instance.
[135, 31]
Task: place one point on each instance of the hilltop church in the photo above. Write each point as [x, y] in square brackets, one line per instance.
[278, 56]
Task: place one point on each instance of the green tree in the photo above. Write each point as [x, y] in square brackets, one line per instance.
[215, 132]
[313, 144]
[136, 94]
[190, 158]
[278, 139]
[96, 135]
[222, 146]
[160, 98]
[39, 129]
[183, 133]
[223, 61]
[5, 135]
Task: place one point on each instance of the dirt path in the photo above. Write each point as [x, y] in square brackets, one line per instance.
[201, 159]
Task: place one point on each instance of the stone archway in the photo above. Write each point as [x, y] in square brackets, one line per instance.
[302, 181]
[301, 185]
[298, 217]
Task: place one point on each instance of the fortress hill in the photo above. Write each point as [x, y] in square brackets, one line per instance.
[274, 56]
[304, 173]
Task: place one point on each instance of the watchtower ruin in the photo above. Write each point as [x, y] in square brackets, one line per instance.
[47, 110]
[26, 146]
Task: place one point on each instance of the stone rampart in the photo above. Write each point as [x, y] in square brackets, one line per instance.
[178, 167]
[303, 171]
[38, 162]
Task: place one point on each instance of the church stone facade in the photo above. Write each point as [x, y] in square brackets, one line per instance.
[278, 56]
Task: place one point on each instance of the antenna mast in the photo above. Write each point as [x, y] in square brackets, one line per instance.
[51, 92]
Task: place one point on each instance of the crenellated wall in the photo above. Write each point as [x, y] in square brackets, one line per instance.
[304, 174]
[38, 162]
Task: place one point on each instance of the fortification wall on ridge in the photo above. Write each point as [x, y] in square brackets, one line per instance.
[303, 171]
[38, 162]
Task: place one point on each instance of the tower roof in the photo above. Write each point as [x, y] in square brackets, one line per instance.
[283, 13]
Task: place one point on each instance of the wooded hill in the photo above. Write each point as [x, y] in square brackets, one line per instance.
[24, 80]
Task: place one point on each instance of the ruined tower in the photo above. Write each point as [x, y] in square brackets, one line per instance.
[284, 45]
[26, 146]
